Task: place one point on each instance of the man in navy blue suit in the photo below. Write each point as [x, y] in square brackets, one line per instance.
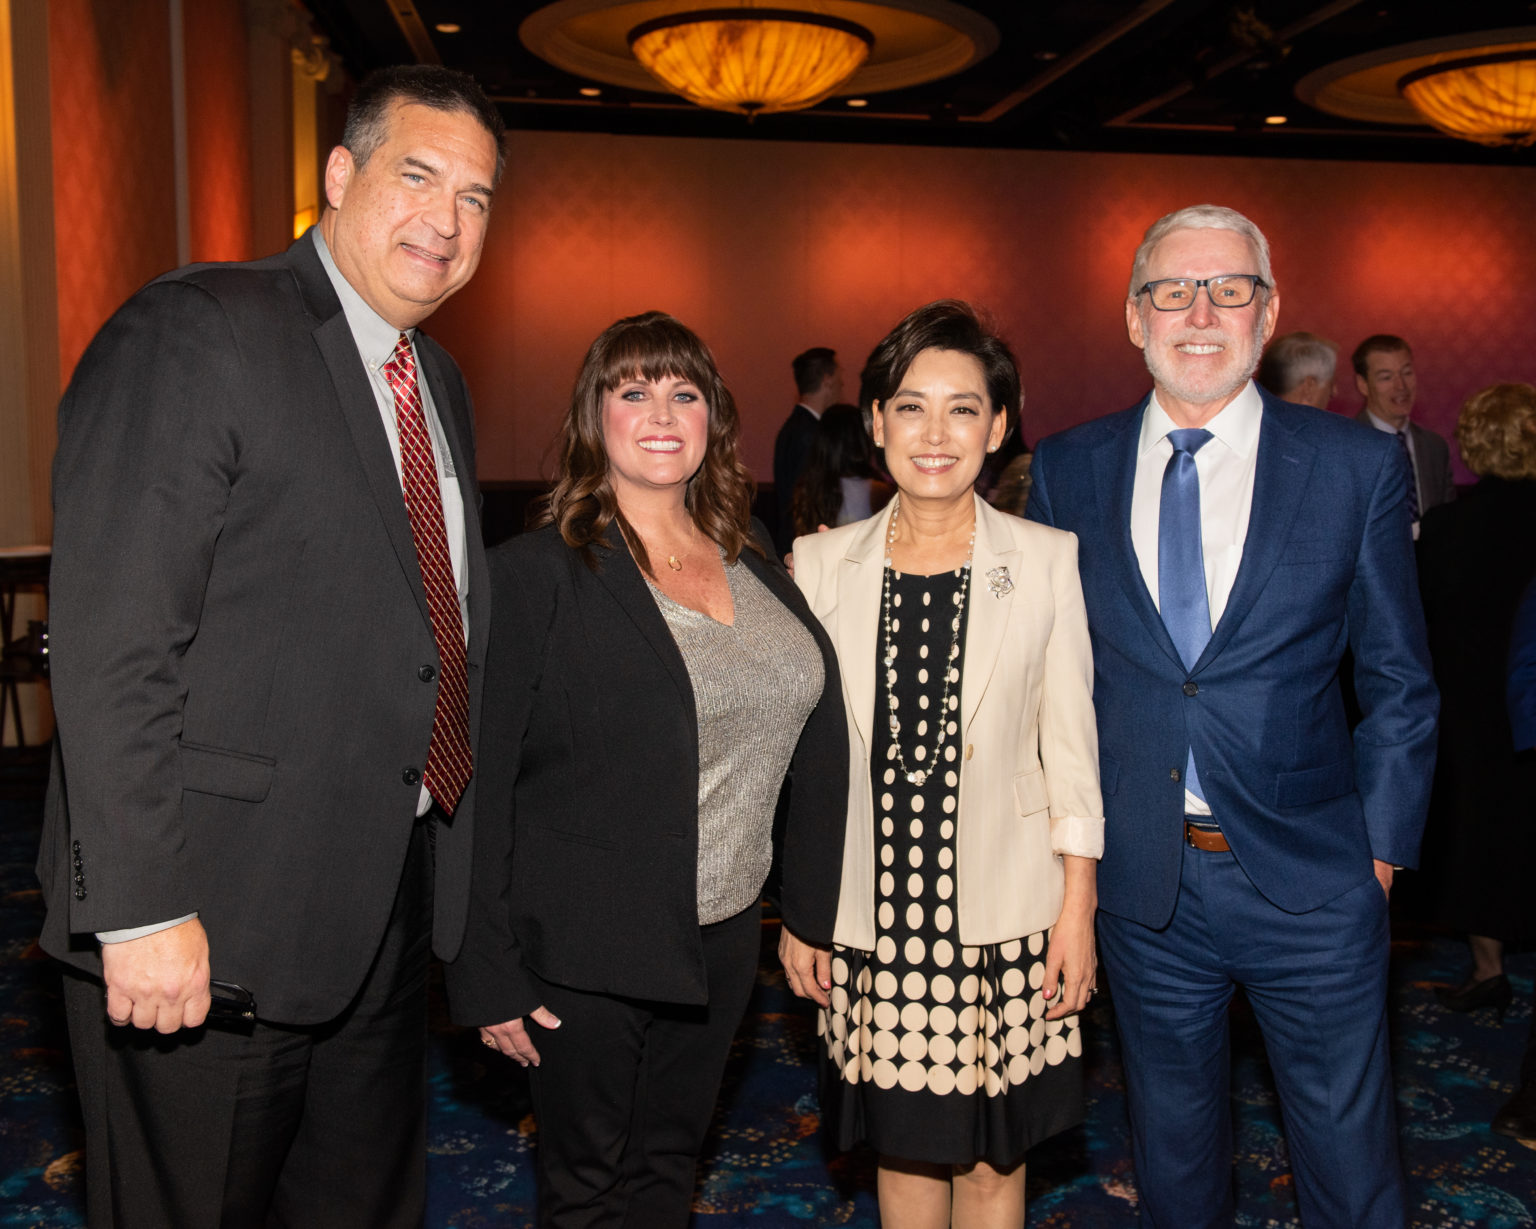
[1232, 545]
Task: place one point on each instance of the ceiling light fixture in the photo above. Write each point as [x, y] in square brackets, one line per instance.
[1276, 119]
[590, 91]
[1490, 99]
[858, 102]
[448, 27]
[753, 61]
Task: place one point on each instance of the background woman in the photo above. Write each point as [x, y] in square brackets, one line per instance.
[1475, 557]
[651, 672]
[841, 483]
[964, 934]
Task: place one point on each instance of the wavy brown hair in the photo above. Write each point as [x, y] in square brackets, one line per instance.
[650, 346]
[1496, 432]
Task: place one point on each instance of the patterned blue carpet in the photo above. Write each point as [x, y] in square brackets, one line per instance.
[765, 1167]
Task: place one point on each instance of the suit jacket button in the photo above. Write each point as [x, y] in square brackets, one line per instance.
[76, 847]
[1175, 775]
[427, 673]
[1191, 689]
[80, 879]
[411, 776]
[970, 750]
[79, 893]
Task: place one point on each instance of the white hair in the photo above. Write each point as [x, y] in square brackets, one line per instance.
[1199, 217]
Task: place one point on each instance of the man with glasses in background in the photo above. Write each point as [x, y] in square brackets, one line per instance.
[1232, 546]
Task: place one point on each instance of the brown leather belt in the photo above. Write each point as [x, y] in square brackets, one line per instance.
[1204, 838]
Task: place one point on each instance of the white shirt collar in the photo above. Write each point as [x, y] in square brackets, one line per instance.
[1382, 425]
[375, 336]
[1236, 426]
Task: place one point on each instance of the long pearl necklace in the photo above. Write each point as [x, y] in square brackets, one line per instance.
[917, 776]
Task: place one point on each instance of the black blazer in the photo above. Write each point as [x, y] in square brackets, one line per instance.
[791, 453]
[240, 635]
[586, 851]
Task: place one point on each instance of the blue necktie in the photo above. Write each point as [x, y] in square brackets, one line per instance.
[1181, 561]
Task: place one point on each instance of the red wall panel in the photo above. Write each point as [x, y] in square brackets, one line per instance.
[219, 188]
[766, 248]
[114, 188]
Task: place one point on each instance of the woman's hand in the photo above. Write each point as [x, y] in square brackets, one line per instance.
[1071, 957]
[807, 967]
[512, 1038]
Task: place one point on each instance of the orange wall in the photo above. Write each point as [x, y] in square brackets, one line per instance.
[114, 189]
[767, 248]
[114, 172]
[218, 130]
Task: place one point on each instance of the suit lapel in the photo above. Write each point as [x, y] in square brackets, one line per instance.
[621, 576]
[988, 610]
[860, 573]
[361, 410]
[1282, 472]
[459, 431]
[1114, 471]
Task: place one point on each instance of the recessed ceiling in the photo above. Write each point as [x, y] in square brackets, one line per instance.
[1168, 76]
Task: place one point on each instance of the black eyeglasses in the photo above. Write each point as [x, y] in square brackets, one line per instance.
[1175, 294]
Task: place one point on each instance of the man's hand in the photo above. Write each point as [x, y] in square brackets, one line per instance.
[511, 1037]
[159, 981]
[1383, 875]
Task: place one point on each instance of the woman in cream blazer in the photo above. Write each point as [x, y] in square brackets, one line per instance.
[964, 929]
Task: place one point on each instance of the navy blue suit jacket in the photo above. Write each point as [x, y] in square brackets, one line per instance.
[1327, 563]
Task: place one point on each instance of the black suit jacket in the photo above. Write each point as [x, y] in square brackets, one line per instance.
[791, 451]
[239, 631]
[587, 846]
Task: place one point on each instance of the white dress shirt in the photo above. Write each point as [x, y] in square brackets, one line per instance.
[376, 339]
[1226, 466]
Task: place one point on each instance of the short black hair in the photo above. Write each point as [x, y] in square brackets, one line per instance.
[1376, 343]
[812, 367]
[948, 324]
[428, 85]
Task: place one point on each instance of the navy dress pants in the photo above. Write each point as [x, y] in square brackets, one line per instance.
[1317, 983]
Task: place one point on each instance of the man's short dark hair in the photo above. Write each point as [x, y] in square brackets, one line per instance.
[427, 85]
[1376, 343]
[813, 367]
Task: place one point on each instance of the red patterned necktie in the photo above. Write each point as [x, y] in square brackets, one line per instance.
[448, 758]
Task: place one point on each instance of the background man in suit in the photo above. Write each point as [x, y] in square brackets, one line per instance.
[268, 620]
[1232, 545]
[1385, 378]
[818, 383]
[1300, 367]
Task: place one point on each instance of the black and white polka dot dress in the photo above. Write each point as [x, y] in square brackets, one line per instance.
[935, 1051]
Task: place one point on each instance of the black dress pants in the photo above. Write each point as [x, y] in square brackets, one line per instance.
[267, 1125]
[626, 1088]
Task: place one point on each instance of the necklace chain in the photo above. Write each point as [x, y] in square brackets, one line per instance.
[917, 776]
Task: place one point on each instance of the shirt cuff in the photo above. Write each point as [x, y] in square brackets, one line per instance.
[1081, 836]
[138, 932]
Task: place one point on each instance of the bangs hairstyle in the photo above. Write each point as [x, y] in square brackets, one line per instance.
[1496, 431]
[650, 346]
[948, 324]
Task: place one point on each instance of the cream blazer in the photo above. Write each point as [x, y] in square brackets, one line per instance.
[1029, 778]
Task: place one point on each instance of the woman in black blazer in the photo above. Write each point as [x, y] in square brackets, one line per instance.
[652, 673]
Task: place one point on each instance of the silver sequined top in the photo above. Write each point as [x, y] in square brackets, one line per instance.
[754, 684]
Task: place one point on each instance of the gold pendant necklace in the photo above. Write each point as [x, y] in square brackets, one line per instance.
[674, 563]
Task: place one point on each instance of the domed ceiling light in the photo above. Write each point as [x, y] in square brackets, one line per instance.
[1478, 86]
[750, 60]
[1490, 99]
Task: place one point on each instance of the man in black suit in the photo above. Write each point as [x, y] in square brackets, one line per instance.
[269, 613]
[818, 384]
[1385, 377]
